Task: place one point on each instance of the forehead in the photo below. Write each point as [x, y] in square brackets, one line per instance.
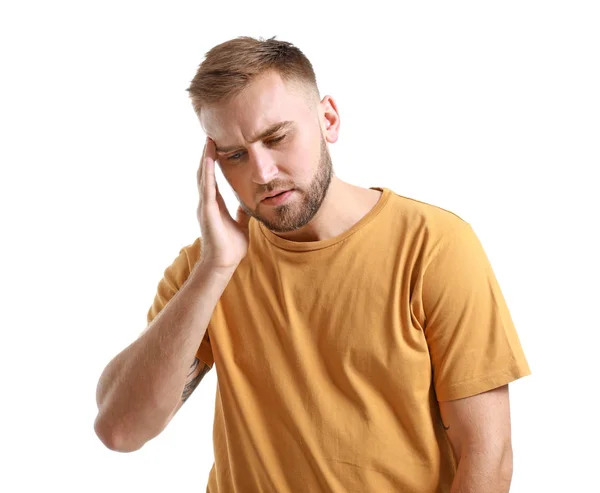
[265, 101]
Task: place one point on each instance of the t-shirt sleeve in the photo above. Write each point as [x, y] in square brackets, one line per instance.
[173, 279]
[473, 343]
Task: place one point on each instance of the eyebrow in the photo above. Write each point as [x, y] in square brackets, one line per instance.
[273, 129]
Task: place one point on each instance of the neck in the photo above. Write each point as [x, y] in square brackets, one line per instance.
[344, 205]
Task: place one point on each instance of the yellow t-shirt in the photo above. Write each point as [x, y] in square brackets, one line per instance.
[331, 355]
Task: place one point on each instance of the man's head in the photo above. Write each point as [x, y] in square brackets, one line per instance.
[259, 102]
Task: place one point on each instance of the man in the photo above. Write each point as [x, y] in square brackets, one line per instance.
[360, 338]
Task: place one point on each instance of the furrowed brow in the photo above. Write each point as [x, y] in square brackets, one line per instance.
[273, 129]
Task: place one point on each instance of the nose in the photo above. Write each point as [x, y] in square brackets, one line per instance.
[264, 168]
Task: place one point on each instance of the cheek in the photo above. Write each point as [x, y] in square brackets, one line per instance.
[301, 155]
[241, 185]
[304, 161]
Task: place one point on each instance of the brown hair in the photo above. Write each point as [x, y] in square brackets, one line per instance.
[229, 67]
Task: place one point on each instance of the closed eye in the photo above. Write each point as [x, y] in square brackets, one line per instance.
[275, 140]
[234, 157]
[238, 155]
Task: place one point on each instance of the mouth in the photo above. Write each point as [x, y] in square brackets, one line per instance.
[279, 198]
[277, 194]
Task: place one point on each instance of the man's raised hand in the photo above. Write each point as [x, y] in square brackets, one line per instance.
[224, 239]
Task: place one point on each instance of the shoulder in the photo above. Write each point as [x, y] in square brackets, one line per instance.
[190, 253]
[182, 265]
[431, 225]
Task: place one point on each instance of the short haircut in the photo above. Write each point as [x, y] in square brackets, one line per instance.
[229, 67]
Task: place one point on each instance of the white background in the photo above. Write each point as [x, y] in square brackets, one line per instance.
[488, 109]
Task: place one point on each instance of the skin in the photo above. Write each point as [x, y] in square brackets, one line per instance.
[479, 430]
[322, 206]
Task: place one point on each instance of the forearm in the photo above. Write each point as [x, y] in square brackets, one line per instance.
[483, 472]
[140, 388]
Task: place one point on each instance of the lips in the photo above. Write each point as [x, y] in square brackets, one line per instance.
[275, 193]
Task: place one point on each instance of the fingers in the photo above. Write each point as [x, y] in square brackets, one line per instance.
[206, 173]
[211, 149]
[200, 172]
[222, 206]
[210, 182]
[220, 199]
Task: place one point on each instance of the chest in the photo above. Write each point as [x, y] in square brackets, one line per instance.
[337, 325]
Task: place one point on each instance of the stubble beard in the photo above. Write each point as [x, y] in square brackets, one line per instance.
[299, 211]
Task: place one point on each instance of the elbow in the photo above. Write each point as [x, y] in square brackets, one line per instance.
[112, 439]
[492, 464]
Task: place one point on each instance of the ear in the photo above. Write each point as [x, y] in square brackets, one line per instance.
[329, 118]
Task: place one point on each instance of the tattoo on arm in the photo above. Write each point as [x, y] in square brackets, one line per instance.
[194, 366]
[192, 384]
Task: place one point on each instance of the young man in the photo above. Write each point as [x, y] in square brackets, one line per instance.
[360, 338]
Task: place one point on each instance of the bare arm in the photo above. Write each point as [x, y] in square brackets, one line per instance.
[142, 388]
[195, 376]
[480, 433]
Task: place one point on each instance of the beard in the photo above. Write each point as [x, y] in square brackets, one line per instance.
[299, 211]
